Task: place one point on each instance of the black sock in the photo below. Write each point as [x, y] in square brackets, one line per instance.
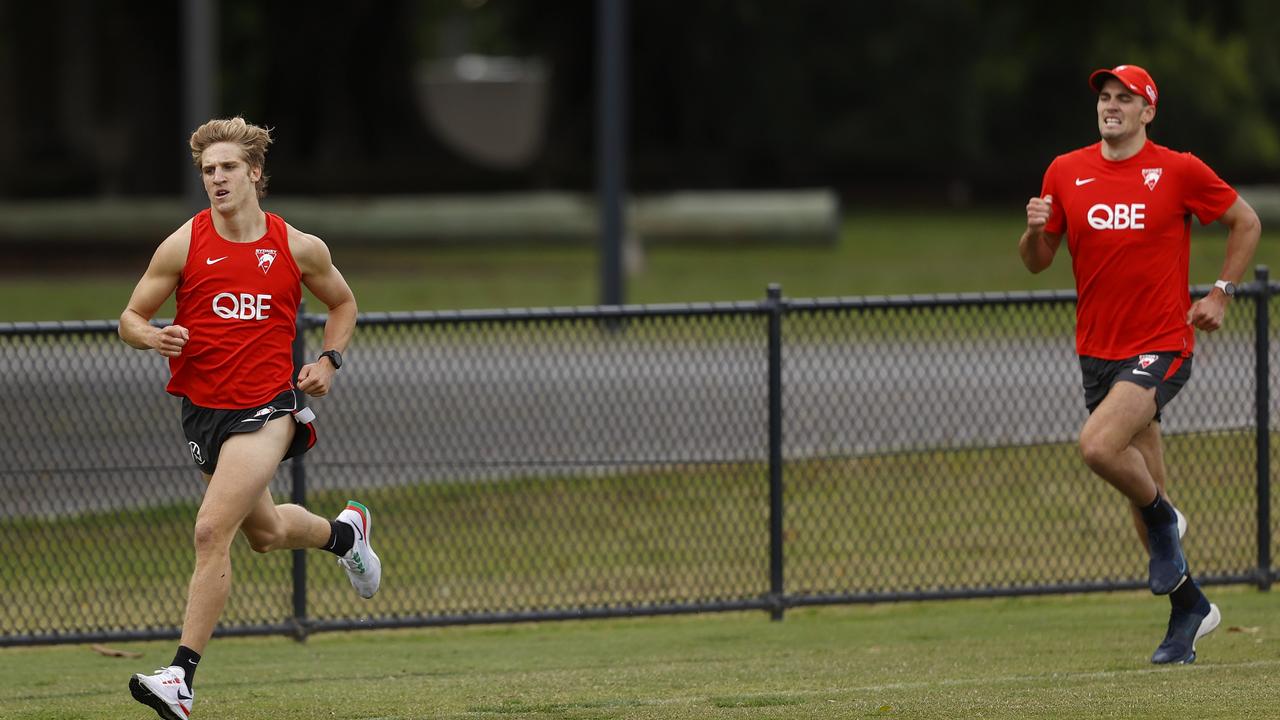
[1188, 595]
[187, 659]
[341, 537]
[1159, 512]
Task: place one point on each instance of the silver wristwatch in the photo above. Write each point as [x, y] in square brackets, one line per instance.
[1227, 287]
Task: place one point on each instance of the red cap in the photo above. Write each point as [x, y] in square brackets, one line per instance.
[1131, 76]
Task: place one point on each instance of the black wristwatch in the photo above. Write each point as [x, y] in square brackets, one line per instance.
[334, 356]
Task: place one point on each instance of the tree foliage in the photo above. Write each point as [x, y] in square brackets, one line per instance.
[916, 97]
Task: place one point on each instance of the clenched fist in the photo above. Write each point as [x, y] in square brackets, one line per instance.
[170, 340]
[1038, 211]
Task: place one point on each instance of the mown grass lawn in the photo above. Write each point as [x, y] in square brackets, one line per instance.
[878, 252]
[922, 521]
[1052, 657]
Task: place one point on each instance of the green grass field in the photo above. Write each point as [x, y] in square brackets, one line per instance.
[879, 252]
[853, 524]
[1058, 657]
[945, 519]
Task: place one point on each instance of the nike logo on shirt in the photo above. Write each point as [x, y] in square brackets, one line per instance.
[1084, 181]
[212, 261]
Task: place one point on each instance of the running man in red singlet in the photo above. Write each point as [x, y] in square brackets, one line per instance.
[1125, 205]
[237, 273]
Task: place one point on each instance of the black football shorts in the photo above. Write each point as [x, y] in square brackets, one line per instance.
[207, 428]
[1167, 372]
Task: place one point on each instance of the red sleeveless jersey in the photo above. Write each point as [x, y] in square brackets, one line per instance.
[239, 302]
[1128, 228]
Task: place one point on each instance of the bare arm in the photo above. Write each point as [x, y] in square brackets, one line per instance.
[1037, 247]
[156, 285]
[324, 281]
[1243, 231]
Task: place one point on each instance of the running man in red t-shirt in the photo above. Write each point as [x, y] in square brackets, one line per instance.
[236, 272]
[1125, 206]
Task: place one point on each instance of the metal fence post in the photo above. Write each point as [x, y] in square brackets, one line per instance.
[1262, 402]
[298, 492]
[777, 592]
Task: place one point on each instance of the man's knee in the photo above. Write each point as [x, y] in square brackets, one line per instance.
[265, 531]
[210, 536]
[1095, 450]
[264, 540]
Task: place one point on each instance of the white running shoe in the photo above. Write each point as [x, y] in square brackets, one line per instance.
[164, 691]
[363, 567]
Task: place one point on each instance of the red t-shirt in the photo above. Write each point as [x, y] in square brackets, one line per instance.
[239, 301]
[1128, 228]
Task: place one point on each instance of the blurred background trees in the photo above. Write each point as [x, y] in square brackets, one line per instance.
[921, 100]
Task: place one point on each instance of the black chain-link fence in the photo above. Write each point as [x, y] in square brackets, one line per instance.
[604, 461]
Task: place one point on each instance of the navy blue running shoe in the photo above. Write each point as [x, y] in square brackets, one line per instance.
[1185, 628]
[1168, 566]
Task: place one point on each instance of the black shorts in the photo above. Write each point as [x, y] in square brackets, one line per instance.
[207, 428]
[1167, 372]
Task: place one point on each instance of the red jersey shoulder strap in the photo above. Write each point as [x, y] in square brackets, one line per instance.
[278, 231]
[201, 231]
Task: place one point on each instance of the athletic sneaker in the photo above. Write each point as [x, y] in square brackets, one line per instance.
[1185, 628]
[1168, 566]
[164, 691]
[363, 567]
[1182, 523]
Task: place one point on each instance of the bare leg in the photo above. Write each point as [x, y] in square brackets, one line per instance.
[1149, 444]
[245, 467]
[283, 527]
[1107, 441]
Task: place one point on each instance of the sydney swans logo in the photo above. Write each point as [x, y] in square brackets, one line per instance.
[265, 258]
[1151, 176]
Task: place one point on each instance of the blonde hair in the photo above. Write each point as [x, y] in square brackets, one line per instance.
[251, 139]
